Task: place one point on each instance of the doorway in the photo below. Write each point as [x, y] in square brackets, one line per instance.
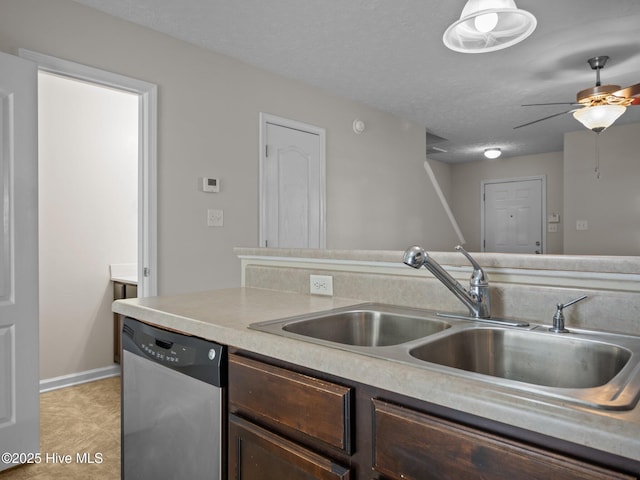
[292, 184]
[513, 215]
[98, 203]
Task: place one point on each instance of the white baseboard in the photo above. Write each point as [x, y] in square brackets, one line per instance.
[55, 383]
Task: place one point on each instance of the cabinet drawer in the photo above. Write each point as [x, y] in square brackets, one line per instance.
[412, 445]
[257, 454]
[278, 398]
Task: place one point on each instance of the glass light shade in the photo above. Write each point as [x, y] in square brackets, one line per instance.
[489, 25]
[492, 153]
[486, 22]
[599, 117]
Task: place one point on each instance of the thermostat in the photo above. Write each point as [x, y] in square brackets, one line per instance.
[210, 185]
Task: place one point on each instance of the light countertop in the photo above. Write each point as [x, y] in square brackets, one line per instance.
[224, 315]
[124, 273]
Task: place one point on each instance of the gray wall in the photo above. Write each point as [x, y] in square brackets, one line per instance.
[208, 126]
[610, 204]
[87, 202]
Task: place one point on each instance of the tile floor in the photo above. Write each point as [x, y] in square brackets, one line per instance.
[83, 420]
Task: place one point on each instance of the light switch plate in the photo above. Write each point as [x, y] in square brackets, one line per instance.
[215, 218]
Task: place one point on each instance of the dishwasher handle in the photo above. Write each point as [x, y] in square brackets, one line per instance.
[164, 344]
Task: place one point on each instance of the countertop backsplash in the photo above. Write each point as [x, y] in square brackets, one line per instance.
[526, 287]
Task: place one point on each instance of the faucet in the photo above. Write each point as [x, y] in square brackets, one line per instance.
[558, 318]
[476, 299]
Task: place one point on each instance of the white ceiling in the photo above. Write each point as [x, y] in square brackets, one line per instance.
[389, 54]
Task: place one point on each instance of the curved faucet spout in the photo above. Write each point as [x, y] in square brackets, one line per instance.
[476, 299]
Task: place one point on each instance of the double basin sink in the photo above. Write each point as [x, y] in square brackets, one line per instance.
[592, 369]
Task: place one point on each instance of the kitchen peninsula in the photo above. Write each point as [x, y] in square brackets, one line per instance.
[275, 284]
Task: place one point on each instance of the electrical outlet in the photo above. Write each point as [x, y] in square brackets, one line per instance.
[582, 225]
[321, 284]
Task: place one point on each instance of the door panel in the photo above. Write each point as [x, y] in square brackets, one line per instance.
[19, 397]
[294, 167]
[293, 188]
[513, 216]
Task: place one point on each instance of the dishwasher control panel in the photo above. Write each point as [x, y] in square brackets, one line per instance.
[166, 352]
[193, 356]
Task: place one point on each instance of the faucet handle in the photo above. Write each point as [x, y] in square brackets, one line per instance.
[568, 304]
[558, 318]
[478, 278]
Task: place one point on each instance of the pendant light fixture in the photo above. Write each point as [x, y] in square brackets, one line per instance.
[489, 25]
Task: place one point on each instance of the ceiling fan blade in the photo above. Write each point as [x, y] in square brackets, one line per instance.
[628, 92]
[545, 118]
[553, 103]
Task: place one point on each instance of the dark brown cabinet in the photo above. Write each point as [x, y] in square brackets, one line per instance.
[256, 453]
[410, 445]
[287, 400]
[287, 422]
[121, 290]
[280, 420]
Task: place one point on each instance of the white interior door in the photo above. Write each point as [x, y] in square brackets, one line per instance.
[513, 216]
[292, 186]
[19, 377]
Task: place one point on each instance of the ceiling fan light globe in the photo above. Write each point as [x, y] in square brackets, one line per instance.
[489, 25]
[600, 117]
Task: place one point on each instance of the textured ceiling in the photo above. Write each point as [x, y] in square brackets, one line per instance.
[389, 54]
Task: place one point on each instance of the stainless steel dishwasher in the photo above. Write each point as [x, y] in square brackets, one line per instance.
[172, 405]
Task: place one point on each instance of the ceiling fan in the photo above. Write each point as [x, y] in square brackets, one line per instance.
[599, 106]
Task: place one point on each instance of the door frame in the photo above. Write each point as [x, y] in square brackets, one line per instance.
[543, 206]
[267, 118]
[147, 154]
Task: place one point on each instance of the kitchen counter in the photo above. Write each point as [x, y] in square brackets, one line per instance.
[224, 315]
[126, 273]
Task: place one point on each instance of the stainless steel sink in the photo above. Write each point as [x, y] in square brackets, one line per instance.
[591, 369]
[371, 325]
[540, 358]
[366, 328]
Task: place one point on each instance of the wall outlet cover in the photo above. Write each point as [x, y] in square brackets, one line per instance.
[321, 284]
[582, 225]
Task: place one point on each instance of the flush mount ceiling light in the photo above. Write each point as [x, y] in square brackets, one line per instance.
[599, 117]
[489, 25]
[492, 153]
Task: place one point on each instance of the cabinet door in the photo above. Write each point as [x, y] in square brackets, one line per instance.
[257, 454]
[282, 399]
[410, 445]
